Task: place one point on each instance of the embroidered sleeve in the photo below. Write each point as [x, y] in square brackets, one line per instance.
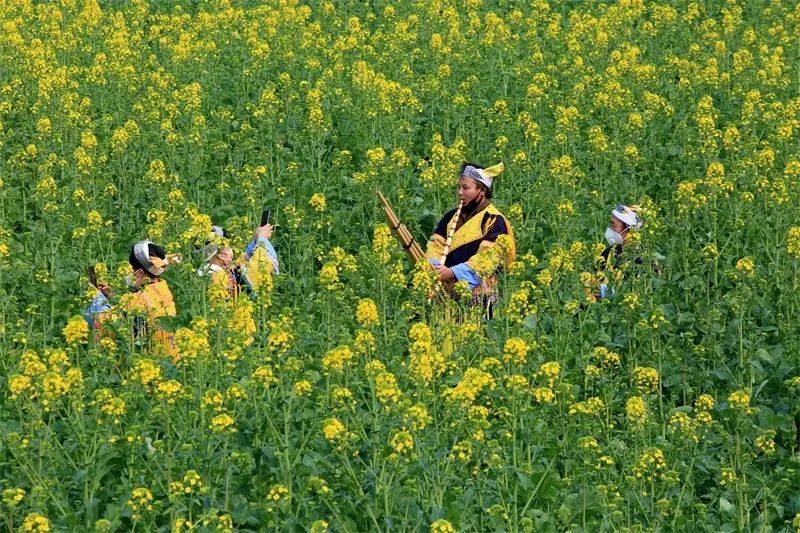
[435, 248]
[498, 228]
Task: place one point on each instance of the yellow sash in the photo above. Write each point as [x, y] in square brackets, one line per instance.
[472, 230]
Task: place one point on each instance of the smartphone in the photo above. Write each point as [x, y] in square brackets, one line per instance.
[265, 214]
[92, 275]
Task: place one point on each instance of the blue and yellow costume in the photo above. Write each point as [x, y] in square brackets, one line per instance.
[249, 272]
[482, 244]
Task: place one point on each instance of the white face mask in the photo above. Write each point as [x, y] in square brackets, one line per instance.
[130, 281]
[613, 238]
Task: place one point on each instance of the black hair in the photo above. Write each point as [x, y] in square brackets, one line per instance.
[486, 190]
[152, 249]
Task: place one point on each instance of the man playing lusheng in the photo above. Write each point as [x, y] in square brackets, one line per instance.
[480, 237]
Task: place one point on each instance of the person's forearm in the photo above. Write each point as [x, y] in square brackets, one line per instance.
[463, 272]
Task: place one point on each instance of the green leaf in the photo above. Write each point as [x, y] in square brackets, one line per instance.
[240, 508]
[726, 507]
[530, 322]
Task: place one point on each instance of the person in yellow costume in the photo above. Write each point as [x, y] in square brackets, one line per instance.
[148, 300]
[260, 260]
[474, 241]
[249, 273]
[218, 265]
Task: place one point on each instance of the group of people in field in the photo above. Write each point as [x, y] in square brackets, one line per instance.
[149, 298]
[463, 247]
[470, 244]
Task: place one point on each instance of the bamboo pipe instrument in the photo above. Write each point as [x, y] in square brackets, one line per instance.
[401, 232]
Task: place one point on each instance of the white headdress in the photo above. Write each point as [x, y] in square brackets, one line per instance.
[627, 216]
[154, 265]
[483, 175]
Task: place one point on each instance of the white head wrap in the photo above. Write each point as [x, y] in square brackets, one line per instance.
[483, 175]
[627, 216]
[154, 265]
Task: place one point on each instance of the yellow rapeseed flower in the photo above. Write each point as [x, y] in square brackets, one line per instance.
[472, 383]
[515, 351]
[417, 417]
[550, 371]
[543, 395]
[704, 403]
[740, 401]
[461, 451]
[382, 242]
[647, 379]
[606, 357]
[302, 387]
[76, 331]
[317, 202]
[146, 372]
[169, 391]
[727, 476]
[12, 497]
[793, 242]
[337, 358]
[766, 443]
[367, 313]
[592, 406]
[320, 526]
[746, 266]
[386, 389]
[651, 464]
[636, 410]
[277, 493]
[402, 442]
[141, 500]
[329, 276]
[442, 526]
[19, 384]
[334, 430]
[222, 423]
[36, 523]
